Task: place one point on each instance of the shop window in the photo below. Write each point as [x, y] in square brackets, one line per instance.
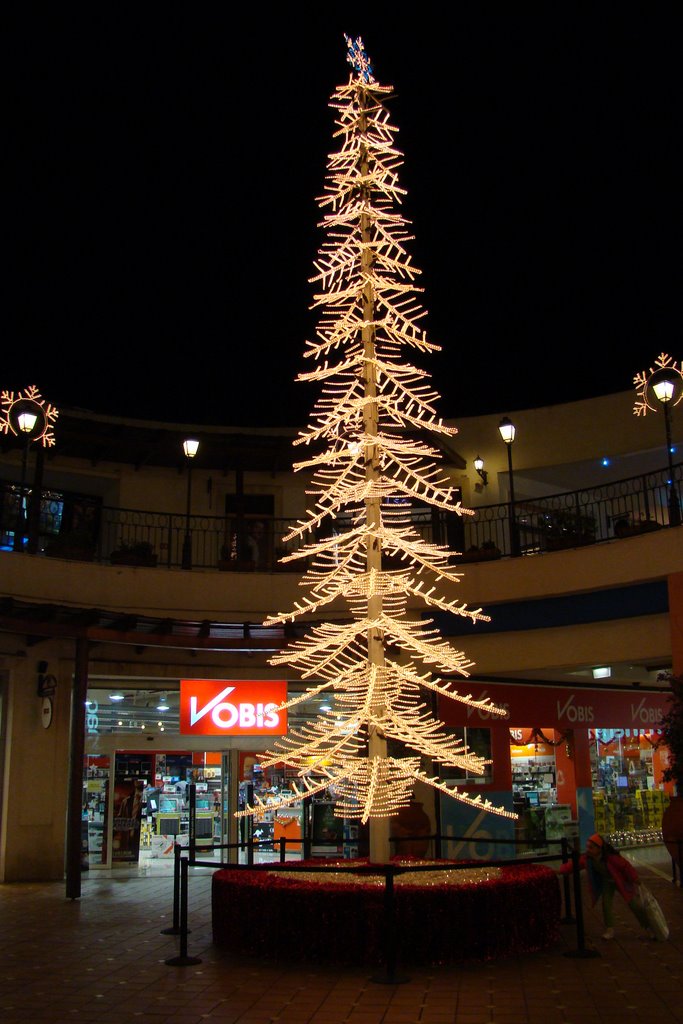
[70, 524]
[627, 771]
[534, 773]
[479, 742]
[94, 811]
[60, 513]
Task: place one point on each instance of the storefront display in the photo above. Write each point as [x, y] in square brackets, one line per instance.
[576, 772]
[127, 820]
[602, 760]
[532, 754]
[168, 805]
[627, 769]
[95, 808]
[151, 805]
[542, 821]
[314, 817]
[271, 826]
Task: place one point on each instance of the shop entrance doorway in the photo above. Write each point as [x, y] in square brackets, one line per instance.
[538, 787]
[136, 806]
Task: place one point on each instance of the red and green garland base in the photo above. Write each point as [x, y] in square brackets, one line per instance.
[340, 918]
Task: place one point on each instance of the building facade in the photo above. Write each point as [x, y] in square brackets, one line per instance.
[594, 589]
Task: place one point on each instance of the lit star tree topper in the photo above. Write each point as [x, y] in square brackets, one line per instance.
[358, 59]
[369, 465]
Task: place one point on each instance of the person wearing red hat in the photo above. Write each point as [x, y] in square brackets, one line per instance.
[609, 872]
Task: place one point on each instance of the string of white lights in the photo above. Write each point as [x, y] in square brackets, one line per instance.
[370, 465]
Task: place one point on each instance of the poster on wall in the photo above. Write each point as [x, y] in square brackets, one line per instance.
[127, 819]
[475, 834]
[327, 831]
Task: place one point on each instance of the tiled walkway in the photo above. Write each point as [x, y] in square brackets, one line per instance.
[103, 959]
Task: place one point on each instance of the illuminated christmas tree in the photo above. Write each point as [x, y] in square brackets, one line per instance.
[369, 466]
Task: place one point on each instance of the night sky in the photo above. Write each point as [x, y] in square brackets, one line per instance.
[160, 215]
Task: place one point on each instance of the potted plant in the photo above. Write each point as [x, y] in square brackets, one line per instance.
[136, 553]
[568, 530]
[623, 527]
[487, 552]
[672, 735]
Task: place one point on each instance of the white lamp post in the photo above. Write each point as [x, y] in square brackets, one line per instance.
[190, 448]
[507, 433]
[27, 416]
[26, 421]
[664, 386]
[664, 381]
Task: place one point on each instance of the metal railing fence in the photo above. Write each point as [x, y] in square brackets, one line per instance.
[387, 954]
[79, 527]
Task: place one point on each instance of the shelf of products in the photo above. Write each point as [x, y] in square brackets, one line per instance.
[629, 812]
[533, 783]
[95, 803]
[537, 826]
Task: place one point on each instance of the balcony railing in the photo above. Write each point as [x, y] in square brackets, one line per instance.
[78, 527]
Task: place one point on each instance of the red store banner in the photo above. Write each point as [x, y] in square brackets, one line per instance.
[558, 707]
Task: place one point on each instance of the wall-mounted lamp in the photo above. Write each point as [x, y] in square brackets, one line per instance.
[479, 466]
[47, 684]
[602, 672]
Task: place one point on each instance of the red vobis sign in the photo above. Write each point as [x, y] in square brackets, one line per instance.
[561, 707]
[237, 707]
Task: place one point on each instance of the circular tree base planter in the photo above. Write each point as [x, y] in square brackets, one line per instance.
[440, 916]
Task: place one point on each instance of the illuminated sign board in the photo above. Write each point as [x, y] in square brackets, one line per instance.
[561, 707]
[236, 707]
